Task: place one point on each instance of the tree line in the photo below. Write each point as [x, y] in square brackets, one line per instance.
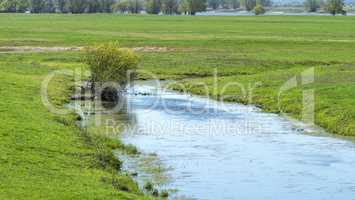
[126, 6]
[58, 6]
[331, 6]
[168, 7]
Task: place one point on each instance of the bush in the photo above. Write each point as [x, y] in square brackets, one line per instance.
[110, 63]
[259, 10]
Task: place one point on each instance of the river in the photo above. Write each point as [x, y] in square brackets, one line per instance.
[216, 151]
[231, 151]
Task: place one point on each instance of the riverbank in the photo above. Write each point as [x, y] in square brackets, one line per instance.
[44, 155]
[332, 87]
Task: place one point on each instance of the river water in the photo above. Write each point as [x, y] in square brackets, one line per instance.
[216, 151]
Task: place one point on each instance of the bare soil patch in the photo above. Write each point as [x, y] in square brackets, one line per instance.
[31, 49]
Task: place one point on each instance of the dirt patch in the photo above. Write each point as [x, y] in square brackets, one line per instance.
[29, 49]
[151, 49]
[23, 49]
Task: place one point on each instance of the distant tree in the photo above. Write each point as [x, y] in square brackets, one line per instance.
[335, 7]
[170, 7]
[184, 7]
[78, 6]
[192, 6]
[259, 9]
[37, 6]
[153, 6]
[225, 4]
[106, 5]
[235, 4]
[93, 6]
[22, 5]
[312, 5]
[248, 4]
[7, 6]
[61, 5]
[214, 4]
[121, 6]
[14, 5]
[198, 6]
[135, 6]
[49, 6]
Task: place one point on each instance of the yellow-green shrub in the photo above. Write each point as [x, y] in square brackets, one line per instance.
[110, 63]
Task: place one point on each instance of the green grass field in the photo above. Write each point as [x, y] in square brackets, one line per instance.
[42, 157]
[46, 156]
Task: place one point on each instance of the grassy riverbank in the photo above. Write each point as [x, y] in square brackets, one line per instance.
[46, 156]
[334, 93]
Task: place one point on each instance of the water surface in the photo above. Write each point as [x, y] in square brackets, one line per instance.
[216, 151]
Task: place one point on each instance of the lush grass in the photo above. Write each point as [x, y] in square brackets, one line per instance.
[46, 156]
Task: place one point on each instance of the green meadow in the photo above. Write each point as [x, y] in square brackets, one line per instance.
[45, 154]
